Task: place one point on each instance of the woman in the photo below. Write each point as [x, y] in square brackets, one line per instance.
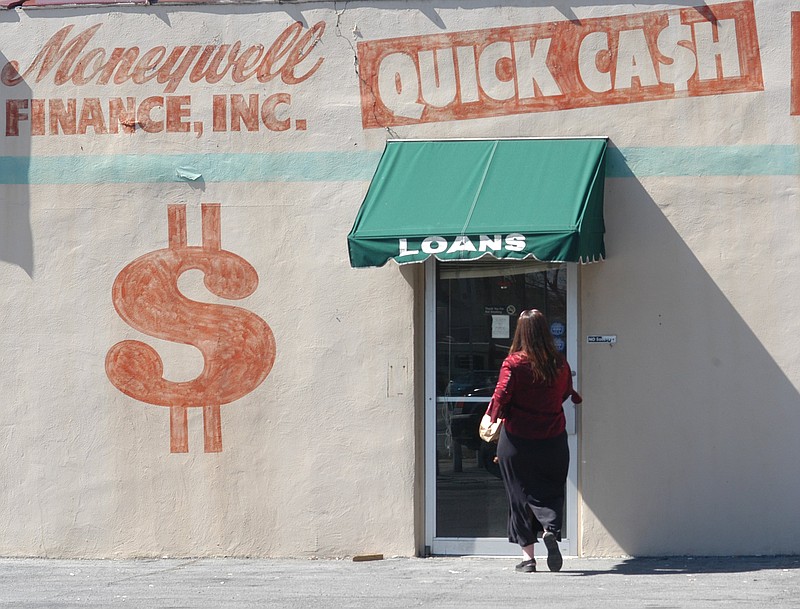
[533, 455]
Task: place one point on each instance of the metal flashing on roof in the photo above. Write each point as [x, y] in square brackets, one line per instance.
[67, 3]
[26, 4]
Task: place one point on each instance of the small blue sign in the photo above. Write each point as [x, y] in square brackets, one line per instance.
[557, 328]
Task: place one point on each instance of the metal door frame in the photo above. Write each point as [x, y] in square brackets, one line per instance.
[494, 546]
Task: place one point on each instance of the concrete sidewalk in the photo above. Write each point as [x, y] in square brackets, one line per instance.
[484, 583]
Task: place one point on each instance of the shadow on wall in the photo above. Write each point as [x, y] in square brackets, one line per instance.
[690, 426]
[16, 238]
[565, 7]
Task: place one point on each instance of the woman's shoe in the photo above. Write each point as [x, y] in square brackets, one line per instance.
[526, 566]
[554, 560]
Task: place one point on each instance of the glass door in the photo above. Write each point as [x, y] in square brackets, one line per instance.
[472, 309]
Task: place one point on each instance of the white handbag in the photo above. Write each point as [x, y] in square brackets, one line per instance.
[488, 431]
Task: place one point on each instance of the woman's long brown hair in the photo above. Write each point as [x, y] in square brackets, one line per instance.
[533, 338]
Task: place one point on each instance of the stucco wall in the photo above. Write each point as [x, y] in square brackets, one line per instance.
[689, 425]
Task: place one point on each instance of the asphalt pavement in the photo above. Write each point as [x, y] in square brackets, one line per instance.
[223, 583]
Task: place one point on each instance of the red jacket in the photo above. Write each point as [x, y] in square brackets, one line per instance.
[531, 410]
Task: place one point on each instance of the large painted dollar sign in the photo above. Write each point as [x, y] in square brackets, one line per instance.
[238, 347]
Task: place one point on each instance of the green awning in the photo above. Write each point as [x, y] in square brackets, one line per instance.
[464, 199]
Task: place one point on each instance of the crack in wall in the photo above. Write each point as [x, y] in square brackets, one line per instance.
[353, 48]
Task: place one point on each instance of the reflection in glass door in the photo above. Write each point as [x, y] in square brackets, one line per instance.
[476, 306]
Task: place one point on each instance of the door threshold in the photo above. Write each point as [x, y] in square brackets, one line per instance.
[484, 547]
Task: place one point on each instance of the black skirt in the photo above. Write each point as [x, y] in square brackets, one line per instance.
[534, 473]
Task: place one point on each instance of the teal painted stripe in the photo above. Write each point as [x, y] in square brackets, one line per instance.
[360, 165]
[703, 161]
[120, 169]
